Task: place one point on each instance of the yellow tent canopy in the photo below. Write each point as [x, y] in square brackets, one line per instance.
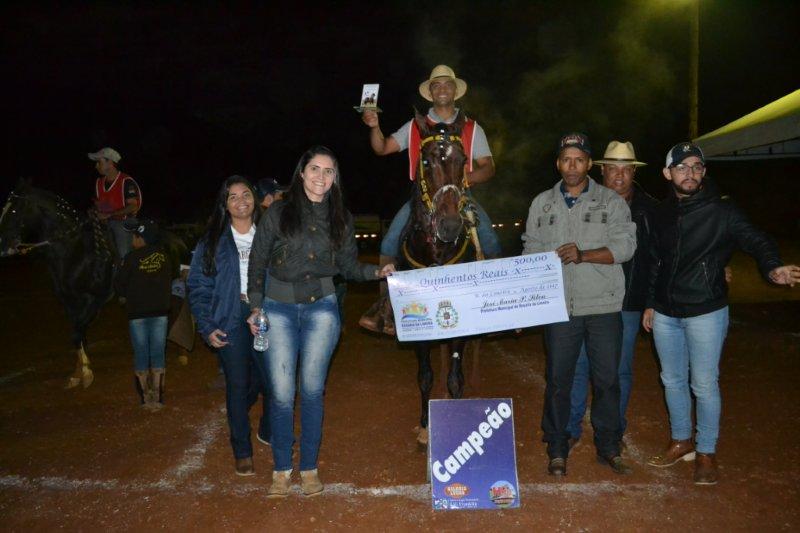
[772, 131]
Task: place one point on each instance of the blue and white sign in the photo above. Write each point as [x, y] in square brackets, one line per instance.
[473, 460]
[479, 297]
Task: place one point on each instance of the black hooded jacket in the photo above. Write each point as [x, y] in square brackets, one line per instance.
[693, 239]
[636, 269]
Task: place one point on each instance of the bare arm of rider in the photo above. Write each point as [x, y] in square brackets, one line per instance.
[482, 170]
[380, 144]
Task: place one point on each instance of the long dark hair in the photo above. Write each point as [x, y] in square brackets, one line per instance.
[295, 200]
[220, 221]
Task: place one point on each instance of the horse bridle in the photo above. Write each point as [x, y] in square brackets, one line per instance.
[440, 138]
[430, 203]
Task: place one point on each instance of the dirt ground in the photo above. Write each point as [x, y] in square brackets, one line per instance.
[92, 459]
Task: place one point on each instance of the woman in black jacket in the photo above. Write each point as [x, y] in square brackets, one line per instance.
[305, 240]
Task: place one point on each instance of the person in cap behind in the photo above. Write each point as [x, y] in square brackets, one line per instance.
[145, 280]
[442, 89]
[268, 190]
[695, 232]
[618, 168]
[589, 226]
[117, 197]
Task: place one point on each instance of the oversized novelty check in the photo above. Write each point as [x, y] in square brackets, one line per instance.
[480, 297]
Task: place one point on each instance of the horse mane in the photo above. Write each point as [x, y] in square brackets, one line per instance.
[64, 210]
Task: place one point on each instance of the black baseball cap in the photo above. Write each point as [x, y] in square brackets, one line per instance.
[575, 140]
[681, 151]
[146, 229]
[267, 186]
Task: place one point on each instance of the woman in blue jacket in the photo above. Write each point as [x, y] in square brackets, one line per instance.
[217, 286]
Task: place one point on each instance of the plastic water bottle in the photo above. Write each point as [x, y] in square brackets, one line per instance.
[260, 342]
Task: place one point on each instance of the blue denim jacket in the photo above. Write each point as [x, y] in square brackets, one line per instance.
[215, 300]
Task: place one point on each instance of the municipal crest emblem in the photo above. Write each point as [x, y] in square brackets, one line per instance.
[446, 316]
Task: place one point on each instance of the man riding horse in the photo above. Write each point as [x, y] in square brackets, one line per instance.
[117, 196]
[442, 88]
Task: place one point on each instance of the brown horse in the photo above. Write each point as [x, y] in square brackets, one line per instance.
[440, 231]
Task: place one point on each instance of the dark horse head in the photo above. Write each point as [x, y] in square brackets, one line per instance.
[437, 227]
[33, 217]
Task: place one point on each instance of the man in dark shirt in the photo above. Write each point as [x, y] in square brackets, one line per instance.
[619, 166]
[695, 231]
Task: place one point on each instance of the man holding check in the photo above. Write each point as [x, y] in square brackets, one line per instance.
[589, 226]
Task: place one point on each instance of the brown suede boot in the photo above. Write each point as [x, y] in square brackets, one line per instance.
[705, 469]
[155, 400]
[377, 318]
[281, 482]
[310, 483]
[677, 450]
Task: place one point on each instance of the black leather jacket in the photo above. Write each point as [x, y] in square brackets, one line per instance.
[636, 272]
[301, 268]
[693, 240]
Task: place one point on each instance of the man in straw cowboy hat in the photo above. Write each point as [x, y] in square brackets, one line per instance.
[442, 88]
[589, 226]
[618, 167]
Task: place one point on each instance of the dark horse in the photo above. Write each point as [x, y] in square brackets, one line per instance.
[79, 257]
[439, 232]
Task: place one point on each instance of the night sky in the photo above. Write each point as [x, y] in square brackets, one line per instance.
[190, 94]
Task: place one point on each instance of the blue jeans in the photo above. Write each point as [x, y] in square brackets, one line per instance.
[630, 328]
[149, 339]
[123, 240]
[689, 350]
[258, 385]
[304, 336]
[238, 362]
[390, 245]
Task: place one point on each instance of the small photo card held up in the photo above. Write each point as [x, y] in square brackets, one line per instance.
[369, 98]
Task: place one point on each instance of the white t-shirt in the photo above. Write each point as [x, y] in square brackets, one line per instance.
[243, 241]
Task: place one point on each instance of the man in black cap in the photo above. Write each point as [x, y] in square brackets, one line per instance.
[695, 231]
[589, 226]
[268, 190]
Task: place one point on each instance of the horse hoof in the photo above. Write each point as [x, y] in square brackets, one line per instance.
[422, 436]
[72, 382]
[369, 324]
[183, 360]
[87, 378]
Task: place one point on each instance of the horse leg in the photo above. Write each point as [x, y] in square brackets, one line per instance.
[425, 382]
[455, 379]
[83, 373]
[473, 373]
[444, 365]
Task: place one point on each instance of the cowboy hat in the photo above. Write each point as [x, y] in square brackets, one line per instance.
[620, 153]
[442, 72]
